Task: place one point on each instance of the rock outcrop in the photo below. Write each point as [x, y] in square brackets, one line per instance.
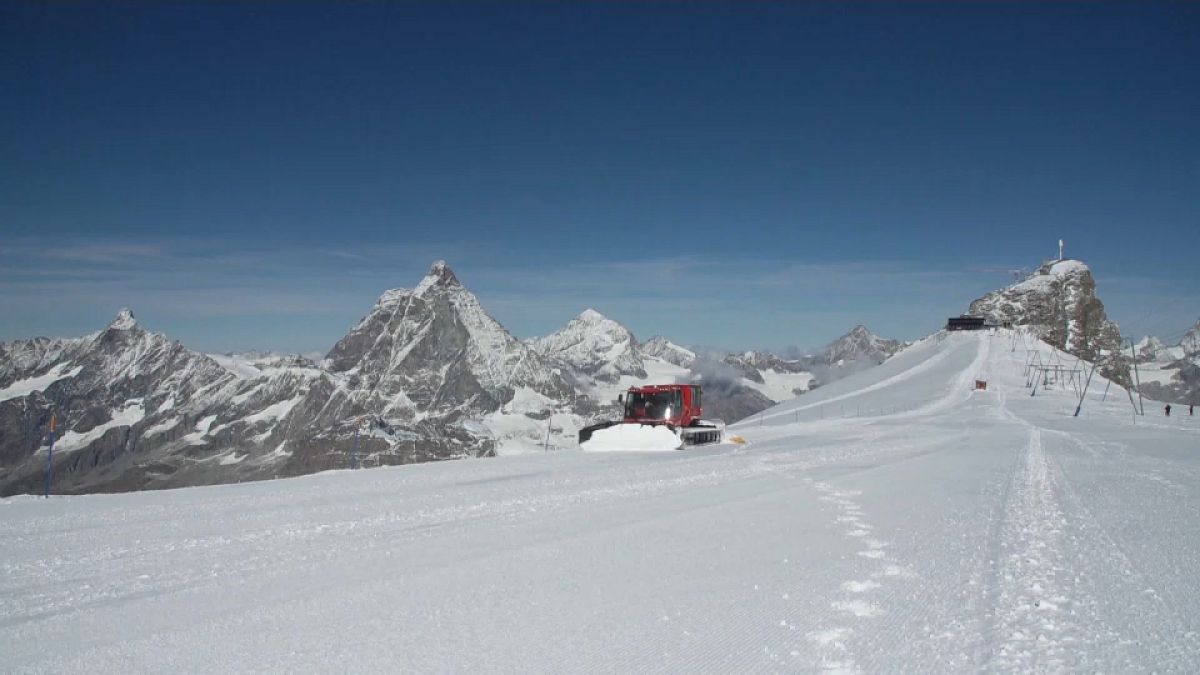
[1058, 302]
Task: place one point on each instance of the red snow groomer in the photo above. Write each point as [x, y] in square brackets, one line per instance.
[674, 406]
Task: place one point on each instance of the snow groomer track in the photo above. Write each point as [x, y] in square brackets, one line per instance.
[896, 520]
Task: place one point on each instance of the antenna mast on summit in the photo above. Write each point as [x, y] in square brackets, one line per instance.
[1060, 249]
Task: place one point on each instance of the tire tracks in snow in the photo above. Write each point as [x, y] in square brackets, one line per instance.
[1063, 593]
[1040, 611]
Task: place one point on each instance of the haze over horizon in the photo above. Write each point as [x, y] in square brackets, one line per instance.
[254, 176]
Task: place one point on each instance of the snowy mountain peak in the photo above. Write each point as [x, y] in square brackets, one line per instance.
[662, 348]
[594, 347]
[439, 276]
[1059, 302]
[1055, 271]
[860, 344]
[123, 321]
[435, 349]
[1064, 266]
[1149, 347]
[1191, 340]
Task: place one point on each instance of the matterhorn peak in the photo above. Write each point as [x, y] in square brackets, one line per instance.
[440, 268]
[439, 275]
[124, 320]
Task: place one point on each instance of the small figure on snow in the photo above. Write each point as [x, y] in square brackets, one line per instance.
[1191, 409]
[1168, 409]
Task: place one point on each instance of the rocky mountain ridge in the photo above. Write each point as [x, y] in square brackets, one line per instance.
[1059, 303]
[662, 348]
[434, 348]
[595, 348]
[426, 374]
[1170, 373]
[858, 345]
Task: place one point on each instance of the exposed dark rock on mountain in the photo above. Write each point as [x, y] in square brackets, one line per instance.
[662, 348]
[426, 375]
[859, 345]
[594, 348]
[1059, 303]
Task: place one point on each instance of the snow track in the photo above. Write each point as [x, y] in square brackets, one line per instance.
[966, 531]
[1036, 593]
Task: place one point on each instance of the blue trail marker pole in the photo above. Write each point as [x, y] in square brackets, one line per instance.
[50, 456]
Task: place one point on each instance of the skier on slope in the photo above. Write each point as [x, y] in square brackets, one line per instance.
[1168, 409]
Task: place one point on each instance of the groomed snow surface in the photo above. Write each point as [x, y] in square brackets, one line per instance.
[897, 520]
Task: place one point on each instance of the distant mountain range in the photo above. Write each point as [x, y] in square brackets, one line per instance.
[1170, 373]
[426, 375]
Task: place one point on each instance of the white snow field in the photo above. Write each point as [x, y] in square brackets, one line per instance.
[896, 520]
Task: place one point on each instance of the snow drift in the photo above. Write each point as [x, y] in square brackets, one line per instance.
[632, 438]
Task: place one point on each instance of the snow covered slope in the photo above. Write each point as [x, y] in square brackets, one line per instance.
[897, 521]
[782, 379]
[765, 378]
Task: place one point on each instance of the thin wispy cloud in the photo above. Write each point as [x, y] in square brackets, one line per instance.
[103, 254]
[730, 301]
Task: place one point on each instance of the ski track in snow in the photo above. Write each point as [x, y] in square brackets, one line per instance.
[1033, 612]
[974, 531]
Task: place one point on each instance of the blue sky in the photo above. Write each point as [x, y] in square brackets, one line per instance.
[751, 175]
